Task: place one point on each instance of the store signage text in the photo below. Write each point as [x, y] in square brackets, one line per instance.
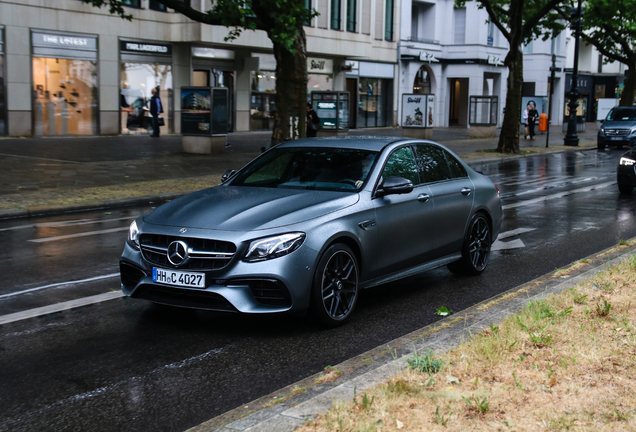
[428, 57]
[414, 100]
[131, 46]
[318, 65]
[64, 40]
[495, 60]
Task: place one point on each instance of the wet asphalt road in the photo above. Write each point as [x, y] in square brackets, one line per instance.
[125, 364]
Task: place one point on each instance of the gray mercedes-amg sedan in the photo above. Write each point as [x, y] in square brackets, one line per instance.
[309, 223]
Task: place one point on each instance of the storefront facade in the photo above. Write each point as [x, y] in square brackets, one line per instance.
[371, 88]
[65, 82]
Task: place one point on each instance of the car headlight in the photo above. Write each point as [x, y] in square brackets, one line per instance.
[274, 247]
[626, 161]
[133, 235]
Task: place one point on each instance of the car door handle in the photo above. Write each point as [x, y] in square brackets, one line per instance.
[423, 197]
[466, 191]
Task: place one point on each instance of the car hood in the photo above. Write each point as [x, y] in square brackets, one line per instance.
[622, 124]
[234, 208]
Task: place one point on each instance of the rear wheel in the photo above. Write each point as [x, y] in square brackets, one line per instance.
[335, 288]
[476, 248]
[625, 188]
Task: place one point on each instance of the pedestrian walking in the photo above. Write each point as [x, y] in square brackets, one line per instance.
[155, 110]
[533, 116]
[524, 121]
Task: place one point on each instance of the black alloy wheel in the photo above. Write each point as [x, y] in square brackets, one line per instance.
[476, 249]
[335, 288]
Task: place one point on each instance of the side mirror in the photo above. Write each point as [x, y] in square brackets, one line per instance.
[602, 120]
[227, 175]
[394, 186]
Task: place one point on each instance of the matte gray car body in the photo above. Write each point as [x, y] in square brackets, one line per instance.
[390, 236]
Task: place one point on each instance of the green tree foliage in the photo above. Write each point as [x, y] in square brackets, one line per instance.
[283, 21]
[610, 25]
[519, 21]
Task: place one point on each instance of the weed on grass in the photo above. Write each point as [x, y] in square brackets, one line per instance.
[425, 363]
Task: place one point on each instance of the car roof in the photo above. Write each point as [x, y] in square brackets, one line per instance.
[359, 142]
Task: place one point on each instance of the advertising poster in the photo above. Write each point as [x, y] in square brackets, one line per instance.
[328, 112]
[219, 111]
[430, 111]
[195, 110]
[414, 113]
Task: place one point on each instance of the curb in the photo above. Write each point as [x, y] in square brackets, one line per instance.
[265, 415]
[7, 214]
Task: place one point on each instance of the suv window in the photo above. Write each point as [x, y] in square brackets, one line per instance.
[401, 164]
[622, 114]
[431, 163]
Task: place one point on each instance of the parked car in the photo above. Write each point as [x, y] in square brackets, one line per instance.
[618, 129]
[310, 223]
[625, 174]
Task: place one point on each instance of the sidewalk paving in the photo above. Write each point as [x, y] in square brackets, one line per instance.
[59, 174]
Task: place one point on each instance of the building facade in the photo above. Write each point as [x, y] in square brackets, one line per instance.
[67, 68]
[457, 55]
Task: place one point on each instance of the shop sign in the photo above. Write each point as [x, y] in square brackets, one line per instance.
[64, 41]
[319, 66]
[196, 110]
[426, 56]
[145, 48]
[495, 60]
[214, 53]
[351, 65]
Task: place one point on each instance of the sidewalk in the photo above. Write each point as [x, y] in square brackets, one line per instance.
[49, 175]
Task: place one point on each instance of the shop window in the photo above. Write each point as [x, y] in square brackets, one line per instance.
[263, 100]
[388, 24]
[422, 83]
[351, 15]
[65, 96]
[316, 82]
[373, 99]
[335, 14]
[137, 82]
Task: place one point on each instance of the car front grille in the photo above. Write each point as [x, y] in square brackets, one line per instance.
[183, 298]
[617, 132]
[204, 254]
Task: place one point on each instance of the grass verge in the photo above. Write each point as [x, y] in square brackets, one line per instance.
[566, 362]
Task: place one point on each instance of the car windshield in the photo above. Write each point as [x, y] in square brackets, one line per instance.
[622, 114]
[334, 169]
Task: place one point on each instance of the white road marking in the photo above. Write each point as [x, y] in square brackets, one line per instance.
[61, 224]
[55, 285]
[558, 195]
[514, 244]
[84, 234]
[514, 232]
[59, 307]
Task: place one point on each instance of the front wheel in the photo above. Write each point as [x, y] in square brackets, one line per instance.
[335, 287]
[476, 248]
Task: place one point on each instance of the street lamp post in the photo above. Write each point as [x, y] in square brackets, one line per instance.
[571, 139]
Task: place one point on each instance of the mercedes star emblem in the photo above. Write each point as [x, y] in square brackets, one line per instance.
[177, 252]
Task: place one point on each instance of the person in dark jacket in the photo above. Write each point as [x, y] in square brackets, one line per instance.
[533, 116]
[155, 110]
[313, 122]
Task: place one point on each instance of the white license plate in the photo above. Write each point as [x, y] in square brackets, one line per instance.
[178, 278]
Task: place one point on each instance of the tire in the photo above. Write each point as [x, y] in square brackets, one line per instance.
[335, 287]
[600, 146]
[476, 248]
[625, 188]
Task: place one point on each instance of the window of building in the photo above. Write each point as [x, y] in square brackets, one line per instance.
[373, 102]
[65, 96]
[137, 82]
[335, 14]
[459, 30]
[263, 100]
[388, 21]
[491, 33]
[131, 3]
[351, 15]
[155, 5]
[308, 7]
[422, 83]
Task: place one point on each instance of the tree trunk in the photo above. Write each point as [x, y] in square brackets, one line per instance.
[629, 91]
[509, 137]
[291, 91]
